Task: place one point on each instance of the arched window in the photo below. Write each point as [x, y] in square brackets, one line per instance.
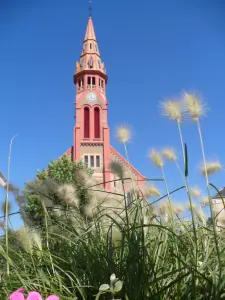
[86, 123]
[96, 122]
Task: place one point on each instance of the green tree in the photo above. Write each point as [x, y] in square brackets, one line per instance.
[43, 189]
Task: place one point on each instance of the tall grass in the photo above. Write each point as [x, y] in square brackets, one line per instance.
[155, 256]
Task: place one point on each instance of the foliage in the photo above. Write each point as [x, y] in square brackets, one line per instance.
[61, 171]
[82, 242]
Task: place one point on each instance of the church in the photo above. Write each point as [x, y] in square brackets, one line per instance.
[91, 133]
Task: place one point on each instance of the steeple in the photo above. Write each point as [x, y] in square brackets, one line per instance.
[91, 132]
[90, 58]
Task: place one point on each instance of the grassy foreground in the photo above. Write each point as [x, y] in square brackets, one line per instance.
[152, 250]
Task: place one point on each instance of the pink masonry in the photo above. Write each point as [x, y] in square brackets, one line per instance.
[91, 131]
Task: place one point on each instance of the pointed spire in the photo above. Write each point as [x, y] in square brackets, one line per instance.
[90, 32]
[90, 58]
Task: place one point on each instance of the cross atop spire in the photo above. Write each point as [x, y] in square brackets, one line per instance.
[90, 8]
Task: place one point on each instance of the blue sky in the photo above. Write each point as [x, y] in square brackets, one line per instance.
[152, 49]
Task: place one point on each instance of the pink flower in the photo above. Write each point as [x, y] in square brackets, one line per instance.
[17, 295]
[34, 296]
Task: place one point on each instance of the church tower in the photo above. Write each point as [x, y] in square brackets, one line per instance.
[91, 132]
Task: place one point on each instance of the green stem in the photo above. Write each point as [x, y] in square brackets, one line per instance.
[7, 207]
[47, 237]
[210, 200]
[181, 140]
[168, 195]
[127, 158]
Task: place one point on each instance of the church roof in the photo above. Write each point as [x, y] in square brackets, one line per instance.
[222, 193]
[124, 161]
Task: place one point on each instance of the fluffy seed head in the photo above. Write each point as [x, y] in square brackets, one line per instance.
[164, 208]
[178, 209]
[156, 158]
[195, 191]
[205, 200]
[24, 238]
[150, 191]
[36, 239]
[211, 167]
[193, 206]
[68, 195]
[123, 133]
[200, 215]
[172, 109]
[195, 107]
[3, 208]
[117, 168]
[169, 154]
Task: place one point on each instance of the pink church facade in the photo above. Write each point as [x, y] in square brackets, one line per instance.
[91, 142]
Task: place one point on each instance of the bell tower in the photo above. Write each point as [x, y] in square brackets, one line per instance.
[91, 131]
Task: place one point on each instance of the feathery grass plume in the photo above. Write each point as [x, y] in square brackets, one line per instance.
[173, 110]
[24, 239]
[200, 215]
[117, 168]
[36, 238]
[164, 209]
[150, 191]
[193, 206]
[194, 105]
[82, 175]
[68, 195]
[20, 199]
[12, 188]
[211, 167]
[195, 191]
[156, 158]
[97, 197]
[178, 209]
[205, 200]
[169, 154]
[3, 207]
[58, 211]
[124, 133]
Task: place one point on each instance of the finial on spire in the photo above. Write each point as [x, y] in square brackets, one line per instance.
[90, 8]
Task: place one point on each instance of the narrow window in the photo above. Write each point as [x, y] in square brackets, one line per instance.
[79, 83]
[97, 123]
[86, 123]
[97, 161]
[86, 159]
[92, 162]
[129, 199]
[91, 63]
[99, 82]
[96, 48]
[93, 80]
[90, 45]
[99, 64]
